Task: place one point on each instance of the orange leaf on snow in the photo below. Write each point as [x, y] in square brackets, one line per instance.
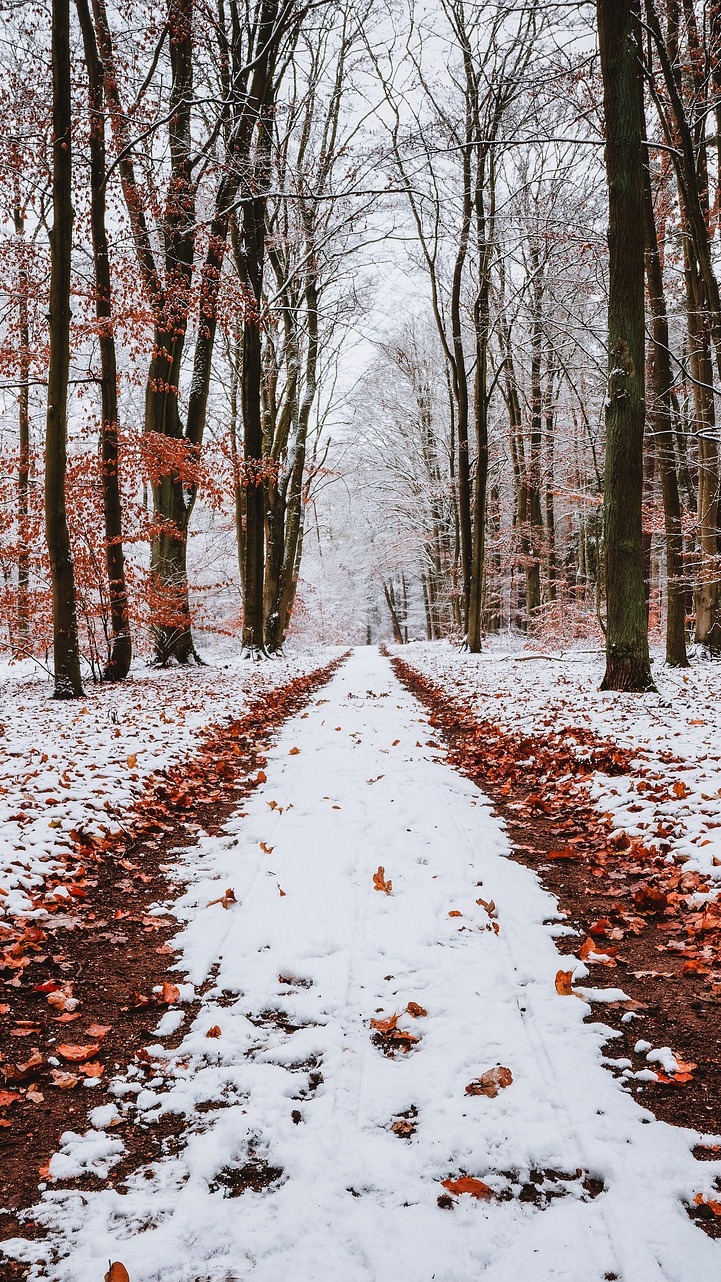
[385, 1025]
[467, 1184]
[267, 850]
[490, 1082]
[379, 881]
[294, 752]
[132, 760]
[170, 993]
[261, 777]
[215, 1031]
[418, 1012]
[680, 789]
[455, 913]
[76, 1053]
[226, 900]
[117, 1272]
[564, 982]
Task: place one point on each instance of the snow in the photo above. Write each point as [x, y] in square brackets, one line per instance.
[81, 764]
[674, 732]
[294, 1078]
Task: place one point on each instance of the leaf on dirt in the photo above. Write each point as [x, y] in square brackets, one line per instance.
[117, 1272]
[99, 1031]
[91, 1070]
[564, 982]
[418, 1012]
[379, 881]
[215, 1031]
[267, 850]
[649, 900]
[701, 1200]
[490, 1082]
[404, 1128]
[8, 1097]
[467, 1184]
[566, 853]
[74, 1054]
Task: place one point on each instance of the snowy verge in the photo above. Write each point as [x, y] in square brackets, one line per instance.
[81, 764]
[674, 791]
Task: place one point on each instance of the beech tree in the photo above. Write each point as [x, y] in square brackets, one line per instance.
[66, 652]
[627, 654]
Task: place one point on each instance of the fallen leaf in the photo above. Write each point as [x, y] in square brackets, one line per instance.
[215, 1031]
[403, 1127]
[467, 1184]
[490, 1082]
[261, 777]
[76, 1053]
[132, 760]
[564, 982]
[226, 900]
[91, 1070]
[281, 892]
[385, 1025]
[455, 913]
[294, 752]
[379, 881]
[64, 1080]
[418, 1012]
[8, 1097]
[267, 850]
[170, 993]
[117, 1272]
[98, 1031]
[701, 1200]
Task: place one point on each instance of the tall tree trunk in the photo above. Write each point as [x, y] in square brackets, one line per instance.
[661, 417]
[22, 634]
[120, 648]
[628, 664]
[66, 651]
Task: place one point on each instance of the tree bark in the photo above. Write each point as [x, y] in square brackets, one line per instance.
[120, 651]
[66, 651]
[662, 427]
[628, 664]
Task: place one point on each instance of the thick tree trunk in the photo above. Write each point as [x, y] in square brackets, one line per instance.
[120, 644]
[662, 426]
[627, 656]
[66, 652]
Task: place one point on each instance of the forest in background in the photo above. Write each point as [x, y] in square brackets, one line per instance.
[304, 325]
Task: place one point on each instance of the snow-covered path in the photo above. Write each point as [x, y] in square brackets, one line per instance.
[307, 1092]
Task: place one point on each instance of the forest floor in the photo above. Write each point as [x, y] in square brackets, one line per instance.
[416, 1029]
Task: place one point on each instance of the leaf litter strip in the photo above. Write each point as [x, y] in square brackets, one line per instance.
[624, 893]
[94, 956]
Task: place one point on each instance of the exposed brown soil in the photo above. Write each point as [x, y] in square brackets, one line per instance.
[624, 897]
[108, 952]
